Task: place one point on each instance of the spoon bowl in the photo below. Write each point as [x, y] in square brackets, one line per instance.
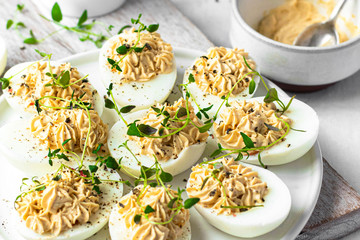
[318, 35]
[321, 34]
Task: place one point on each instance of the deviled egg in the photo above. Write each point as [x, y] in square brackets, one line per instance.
[63, 205]
[28, 140]
[239, 199]
[266, 126]
[217, 74]
[122, 223]
[145, 77]
[32, 81]
[175, 152]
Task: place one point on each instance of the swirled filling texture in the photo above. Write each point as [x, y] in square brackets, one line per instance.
[60, 206]
[156, 57]
[53, 128]
[170, 147]
[158, 199]
[252, 118]
[241, 187]
[285, 22]
[36, 85]
[220, 70]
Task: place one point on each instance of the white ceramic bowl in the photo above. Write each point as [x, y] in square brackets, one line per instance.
[74, 8]
[297, 68]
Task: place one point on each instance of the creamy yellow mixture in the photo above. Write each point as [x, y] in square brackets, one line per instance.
[156, 58]
[34, 86]
[249, 118]
[158, 199]
[170, 147]
[53, 128]
[241, 187]
[218, 72]
[286, 22]
[60, 206]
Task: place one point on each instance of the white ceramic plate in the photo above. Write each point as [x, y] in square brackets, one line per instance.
[303, 176]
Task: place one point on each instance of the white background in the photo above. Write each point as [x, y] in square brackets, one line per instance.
[338, 106]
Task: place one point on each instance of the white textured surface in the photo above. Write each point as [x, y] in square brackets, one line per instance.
[338, 106]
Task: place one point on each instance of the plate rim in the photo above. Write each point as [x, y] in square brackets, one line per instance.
[296, 228]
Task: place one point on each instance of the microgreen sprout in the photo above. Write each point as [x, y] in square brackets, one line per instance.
[155, 176]
[83, 28]
[126, 49]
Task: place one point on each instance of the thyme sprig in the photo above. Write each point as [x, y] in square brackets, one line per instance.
[126, 49]
[155, 176]
[83, 28]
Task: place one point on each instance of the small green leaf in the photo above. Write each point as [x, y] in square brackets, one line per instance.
[153, 184]
[171, 203]
[64, 80]
[271, 96]
[137, 218]
[198, 114]
[93, 168]
[123, 28]
[42, 54]
[62, 156]
[50, 162]
[109, 89]
[122, 50]
[153, 27]
[133, 130]
[66, 141]
[146, 129]
[204, 182]
[215, 153]
[9, 23]
[37, 105]
[111, 163]
[5, 83]
[57, 177]
[20, 24]
[95, 151]
[181, 112]
[31, 40]
[157, 110]
[127, 108]
[252, 86]
[83, 18]
[148, 209]
[20, 7]
[239, 157]
[190, 202]
[248, 142]
[109, 104]
[166, 177]
[96, 189]
[56, 13]
[40, 188]
[111, 61]
[205, 127]
[161, 131]
[149, 172]
[191, 78]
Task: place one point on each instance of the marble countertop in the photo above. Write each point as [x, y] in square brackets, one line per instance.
[338, 106]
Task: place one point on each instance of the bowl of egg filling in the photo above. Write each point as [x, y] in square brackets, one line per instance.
[267, 29]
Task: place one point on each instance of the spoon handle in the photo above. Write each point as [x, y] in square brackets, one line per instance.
[337, 9]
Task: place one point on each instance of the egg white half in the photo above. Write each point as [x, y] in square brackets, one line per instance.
[296, 143]
[205, 99]
[17, 104]
[24, 151]
[111, 193]
[256, 221]
[118, 135]
[117, 226]
[141, 94]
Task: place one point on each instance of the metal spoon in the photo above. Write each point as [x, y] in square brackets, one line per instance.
[323, 33]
